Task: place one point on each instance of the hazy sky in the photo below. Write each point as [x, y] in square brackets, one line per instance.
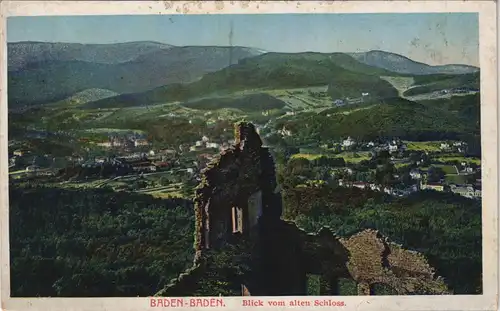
[436, 38]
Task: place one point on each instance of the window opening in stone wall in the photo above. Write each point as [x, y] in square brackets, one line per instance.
[237, 218]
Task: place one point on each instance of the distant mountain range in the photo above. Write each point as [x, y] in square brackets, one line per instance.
[22, 54]
[343, 75]
[401, 64]
[41, 72]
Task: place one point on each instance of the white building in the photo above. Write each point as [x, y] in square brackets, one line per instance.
[348, 171]
[140, 142]
[415, 174]
[360, 185]
[285, 132]
[338, 102]
[466, 191]
[32, 168]
[389, 191]
[213, 145]
[469, 170]
[435, 187]
[444, 146]
[106, 144]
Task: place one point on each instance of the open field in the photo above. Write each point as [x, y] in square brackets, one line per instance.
[448, 169]
[400, 165]
[105, 130]
[427, 146]
[351, 157]
[460, 159]
[355, 157]
[399, 83]
[308, 156]
[455, 179]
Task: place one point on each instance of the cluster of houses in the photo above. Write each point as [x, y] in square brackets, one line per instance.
[205, 143]
[457, 146]
[460, 90]
[127, 142]
[392, 146]
[285, 131]
[142, 164]
[350, 101]
[468, 191]
[375, 187]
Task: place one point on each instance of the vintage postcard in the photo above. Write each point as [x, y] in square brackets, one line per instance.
[263, 154]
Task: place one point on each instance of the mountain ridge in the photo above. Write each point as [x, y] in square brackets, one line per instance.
[270, 70]
[51, 79]
[44, 72]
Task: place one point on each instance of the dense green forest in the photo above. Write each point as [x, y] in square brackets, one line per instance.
[446, 228]
[96, 242]
[395, 117]
[104, 243]
[249, 103]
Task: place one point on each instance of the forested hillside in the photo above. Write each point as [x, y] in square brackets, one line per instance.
[445, 228]
[96, 242]
[270, 71]
[396, 117]
[62, 74]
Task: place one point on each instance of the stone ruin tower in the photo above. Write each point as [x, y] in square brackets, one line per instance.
[236, 190]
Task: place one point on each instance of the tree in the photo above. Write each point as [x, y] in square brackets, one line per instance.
[435, 174]
[299, 166]
[164, 181]
[385, 174]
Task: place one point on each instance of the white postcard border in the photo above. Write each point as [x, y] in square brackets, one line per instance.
[489, 116]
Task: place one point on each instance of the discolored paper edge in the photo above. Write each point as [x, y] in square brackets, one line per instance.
[489, 136]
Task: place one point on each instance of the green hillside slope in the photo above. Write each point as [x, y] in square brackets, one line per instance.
[52, 80]
[268, 71]
[392, 118]
[427, 84]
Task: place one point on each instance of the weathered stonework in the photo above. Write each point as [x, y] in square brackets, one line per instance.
[286, 253]
[228, 182]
